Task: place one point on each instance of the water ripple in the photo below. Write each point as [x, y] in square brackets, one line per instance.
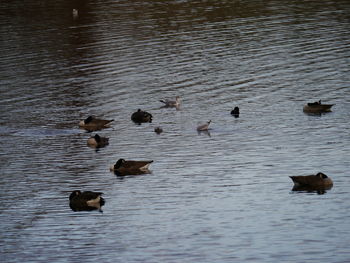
[207, 193]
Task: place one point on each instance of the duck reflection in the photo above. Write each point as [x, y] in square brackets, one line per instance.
[311, 189]
[122, 174]
[204, 132]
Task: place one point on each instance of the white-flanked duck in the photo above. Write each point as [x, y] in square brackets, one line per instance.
[317, 107]
[130, 167]
[141, 116]
[94, 124]
[97, 141]
[171, 103]
[86, 201]
[317, 180]
[204, 127]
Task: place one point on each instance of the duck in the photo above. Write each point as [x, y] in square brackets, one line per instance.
[171, 103]
[97, 141]
[141, 116]
[94, 124]
[317, 107]
[235, 112]
[158, 130]
[86, 201]
[75, 13]
[319, 180]
[204, 127]
[130, 167]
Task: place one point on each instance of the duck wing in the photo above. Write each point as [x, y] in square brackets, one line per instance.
[169, 103]
[141, 116]
[99, 122]
[105, 141]
[89, 195]
[164, 101]
[130, 164]
[203, 127]
[309, 180]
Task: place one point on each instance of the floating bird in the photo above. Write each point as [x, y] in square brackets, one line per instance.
[93, 124]
[235, 112]
[320, 180]
[75, 13]
[86, 201]
[171, 103]
[141, 116]
[130, 167]
[158, 130]
[317, 107]
[97, 141]
[204, 127]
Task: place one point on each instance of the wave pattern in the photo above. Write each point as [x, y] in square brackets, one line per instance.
[210, 197]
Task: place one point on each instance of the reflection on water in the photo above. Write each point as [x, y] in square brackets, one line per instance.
[221, 195]
[131, 173]
[204, 133]
[309, 189]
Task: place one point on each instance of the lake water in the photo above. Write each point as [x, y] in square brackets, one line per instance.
[222, 196]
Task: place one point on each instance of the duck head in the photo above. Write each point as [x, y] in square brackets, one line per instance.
[74, 194]
[88, 119]
[119, 163]
[322, 175]
[235, 112]
[97, 138]
[158, 130]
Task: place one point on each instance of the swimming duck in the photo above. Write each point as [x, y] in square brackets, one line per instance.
[75, 13]
[317, 107]
[235, 112]
[318, 180]
[130, 167]
[141, 116]
[93, 124]
[97, 141]
[158, 130]
[86, 201]
[204, 127]
[171, 103]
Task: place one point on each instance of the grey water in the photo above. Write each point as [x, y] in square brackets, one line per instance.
[221, 196]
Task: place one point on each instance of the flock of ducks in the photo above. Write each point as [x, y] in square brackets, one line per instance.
[88, 200]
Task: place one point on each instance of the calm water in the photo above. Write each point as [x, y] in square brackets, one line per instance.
[219, 197]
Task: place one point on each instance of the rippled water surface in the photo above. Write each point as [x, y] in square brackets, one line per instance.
[221, 196]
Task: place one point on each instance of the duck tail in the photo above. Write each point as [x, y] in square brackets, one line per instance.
[102, 201]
